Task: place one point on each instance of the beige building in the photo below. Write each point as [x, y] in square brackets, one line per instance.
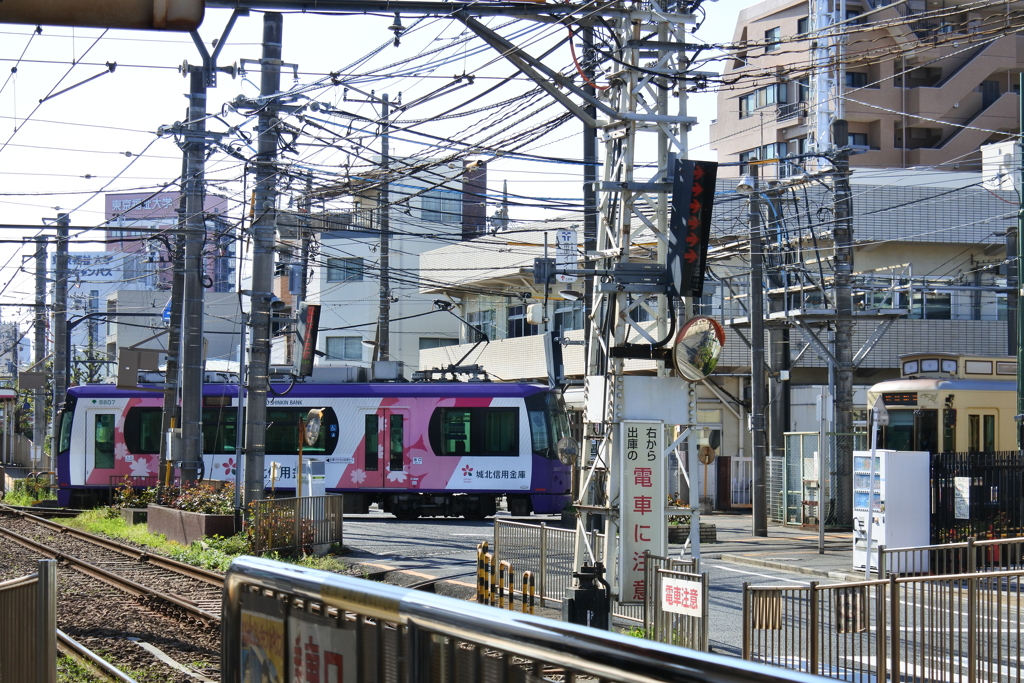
[925, 83]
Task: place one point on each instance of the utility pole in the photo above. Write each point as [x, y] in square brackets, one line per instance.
[60, 321]
[171, 417]
[842, 235]
[757, 379]
[263, 258]
[383, 350]
[192, 362]
[39, 400]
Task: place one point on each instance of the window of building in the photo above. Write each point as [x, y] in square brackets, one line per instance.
[517, 325]
[803, 25]
[441, 206]
[344, 269]
[774, 151]
[803, 89]
[762, 97]
[854, 13]
[857, 139]
[344, 348]
[772, 38]
[436, 342]
[569, 315]
[856, 79]
[930, 306]
[482, 321]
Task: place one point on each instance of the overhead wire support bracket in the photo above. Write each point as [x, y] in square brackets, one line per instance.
[111, 66]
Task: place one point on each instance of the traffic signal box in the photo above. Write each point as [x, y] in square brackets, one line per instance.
[693, 196]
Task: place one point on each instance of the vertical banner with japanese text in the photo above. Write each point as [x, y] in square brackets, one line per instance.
[642, 503]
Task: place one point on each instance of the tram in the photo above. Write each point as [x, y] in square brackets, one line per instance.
[416, 448]
[944, 403]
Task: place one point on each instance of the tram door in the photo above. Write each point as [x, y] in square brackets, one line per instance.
[396, 444]
[100, 442]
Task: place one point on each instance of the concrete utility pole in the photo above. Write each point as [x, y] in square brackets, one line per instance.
[759, 444]
[383, 350]
[60, 321]
[192, 362]
[171, 417]
[39, 400]
[842, 235]
[263, 258]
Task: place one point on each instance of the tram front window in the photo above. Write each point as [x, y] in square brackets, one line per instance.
[911, 430]
[899, 435]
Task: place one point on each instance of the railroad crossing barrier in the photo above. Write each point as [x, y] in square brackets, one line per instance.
[284, 622]
[28, 652]
[960, 628]
[294, 524]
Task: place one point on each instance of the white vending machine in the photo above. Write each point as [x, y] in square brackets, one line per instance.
[901, 508]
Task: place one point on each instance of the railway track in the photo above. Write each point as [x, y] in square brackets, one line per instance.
[141, 612]
[168, 585]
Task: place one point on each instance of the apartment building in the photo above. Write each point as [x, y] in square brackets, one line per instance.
[428, 204]
[924, 84]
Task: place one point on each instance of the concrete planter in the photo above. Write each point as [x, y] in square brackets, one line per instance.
[134, 515]
[186, 527]
[678, 533]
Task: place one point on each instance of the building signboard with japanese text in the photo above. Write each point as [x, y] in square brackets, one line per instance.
[642, 503]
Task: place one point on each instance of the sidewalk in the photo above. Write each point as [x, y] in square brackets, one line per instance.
[788, 548]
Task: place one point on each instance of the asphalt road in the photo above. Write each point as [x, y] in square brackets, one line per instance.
[447, 548]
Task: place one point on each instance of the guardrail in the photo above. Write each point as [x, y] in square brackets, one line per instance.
[962, 627]
[295, 524]
[279, 616]
[29, 652]
[968, 557]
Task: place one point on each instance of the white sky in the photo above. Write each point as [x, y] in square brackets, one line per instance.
[69, 150]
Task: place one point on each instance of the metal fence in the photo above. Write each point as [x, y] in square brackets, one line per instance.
[959, 628]
[28, 652]
[548, 553]
[294, 524]
[977, 494]
[953, 558]
[279, 617]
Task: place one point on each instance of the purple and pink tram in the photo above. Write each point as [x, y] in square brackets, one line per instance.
[416, 449]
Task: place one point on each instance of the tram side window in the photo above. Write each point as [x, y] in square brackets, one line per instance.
[283, 432]
[220, 430]
[103, 442]
[973, 433]
[456, 430]
[500, 430]
[142, 428]
[475, 431]
[397, 443]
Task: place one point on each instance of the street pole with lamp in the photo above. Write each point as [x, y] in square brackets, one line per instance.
[748, 186]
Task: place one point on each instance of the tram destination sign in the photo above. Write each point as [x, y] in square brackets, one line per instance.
[903, 398]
